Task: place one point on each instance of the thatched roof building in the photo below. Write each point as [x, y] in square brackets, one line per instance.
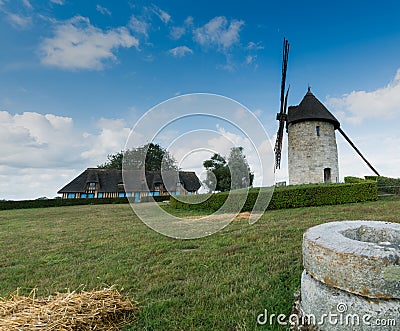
[112, 183]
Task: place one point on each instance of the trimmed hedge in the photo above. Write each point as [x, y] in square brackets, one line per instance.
[159, 198]
[289, 196]
[387, 185]
[371, 178]
[352, 180]
[23, 204]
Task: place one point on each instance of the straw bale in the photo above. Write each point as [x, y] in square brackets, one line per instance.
[99, 310]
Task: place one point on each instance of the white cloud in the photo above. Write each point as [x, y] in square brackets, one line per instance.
[27, 4]
[18, 21]
[58, 2]
[139, 26]
[31, 139]
[360, 105]
[397, 77]
[103, 10]
[189, 21]
[252, 46]
[180, 51]
[177, 32]
[111, 139]
[77, 44]
[162, 15]
[250, 59]
[219, 32]
[41, 153]
[43, 182]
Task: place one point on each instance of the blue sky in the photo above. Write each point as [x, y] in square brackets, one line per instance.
[77, 75]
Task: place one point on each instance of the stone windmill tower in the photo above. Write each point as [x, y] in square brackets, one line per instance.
[312, 149]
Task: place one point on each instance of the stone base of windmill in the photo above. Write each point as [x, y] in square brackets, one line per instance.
[351, 279]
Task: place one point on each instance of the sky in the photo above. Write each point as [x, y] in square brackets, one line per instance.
[75, 77]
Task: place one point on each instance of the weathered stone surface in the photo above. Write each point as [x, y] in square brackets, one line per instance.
[309, 154]
[361, 257]
[332, 309]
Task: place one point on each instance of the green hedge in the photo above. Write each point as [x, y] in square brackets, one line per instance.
[353, 180]
[387, 185]
[159, 198]
[23, 204]
[288, 196]
[375, 178]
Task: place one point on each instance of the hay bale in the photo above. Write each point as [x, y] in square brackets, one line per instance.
[100, 310]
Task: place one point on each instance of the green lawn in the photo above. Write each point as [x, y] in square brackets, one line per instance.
[221, 282]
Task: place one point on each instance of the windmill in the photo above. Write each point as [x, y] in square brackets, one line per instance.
[312, 149]
[282, 115]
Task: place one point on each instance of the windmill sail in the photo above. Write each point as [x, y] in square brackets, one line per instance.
[282, 115]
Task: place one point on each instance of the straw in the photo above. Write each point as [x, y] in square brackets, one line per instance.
[99, 310]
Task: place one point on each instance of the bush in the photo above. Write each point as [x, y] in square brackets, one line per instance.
[23, 204]
[352, 180]
[159, 198]
[374, 178]
[325, 194]
[287, 197]
[387, 185]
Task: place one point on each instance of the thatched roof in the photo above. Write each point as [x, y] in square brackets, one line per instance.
[111, 180]
[311, 109]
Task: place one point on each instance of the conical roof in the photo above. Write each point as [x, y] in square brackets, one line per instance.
[311, 109]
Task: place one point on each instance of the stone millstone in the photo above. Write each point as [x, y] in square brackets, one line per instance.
[360, 257]
[331, 309]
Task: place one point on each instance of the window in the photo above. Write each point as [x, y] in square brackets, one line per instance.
[178, 193]
[100, 194]
[92, 185]
[83, 195]
[128, 194]
[318, 130]
[156, 194]
[71, 196]
[137, 196]
[178, 184]
[121, 195]
[90, 195]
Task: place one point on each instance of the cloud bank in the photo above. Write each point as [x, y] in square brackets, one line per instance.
[77, 44]
[41, 153]
[361, 105]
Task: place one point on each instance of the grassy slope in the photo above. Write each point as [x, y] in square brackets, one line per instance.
[221, 282]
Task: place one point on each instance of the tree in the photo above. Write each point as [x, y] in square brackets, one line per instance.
[225, 175]
[241, 175]
[217, 174]
[151, 156]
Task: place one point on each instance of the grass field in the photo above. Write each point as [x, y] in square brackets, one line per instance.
[221, 282]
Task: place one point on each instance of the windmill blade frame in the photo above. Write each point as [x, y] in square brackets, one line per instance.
[282, 115]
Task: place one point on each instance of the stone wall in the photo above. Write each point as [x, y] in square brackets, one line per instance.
[309, 154]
